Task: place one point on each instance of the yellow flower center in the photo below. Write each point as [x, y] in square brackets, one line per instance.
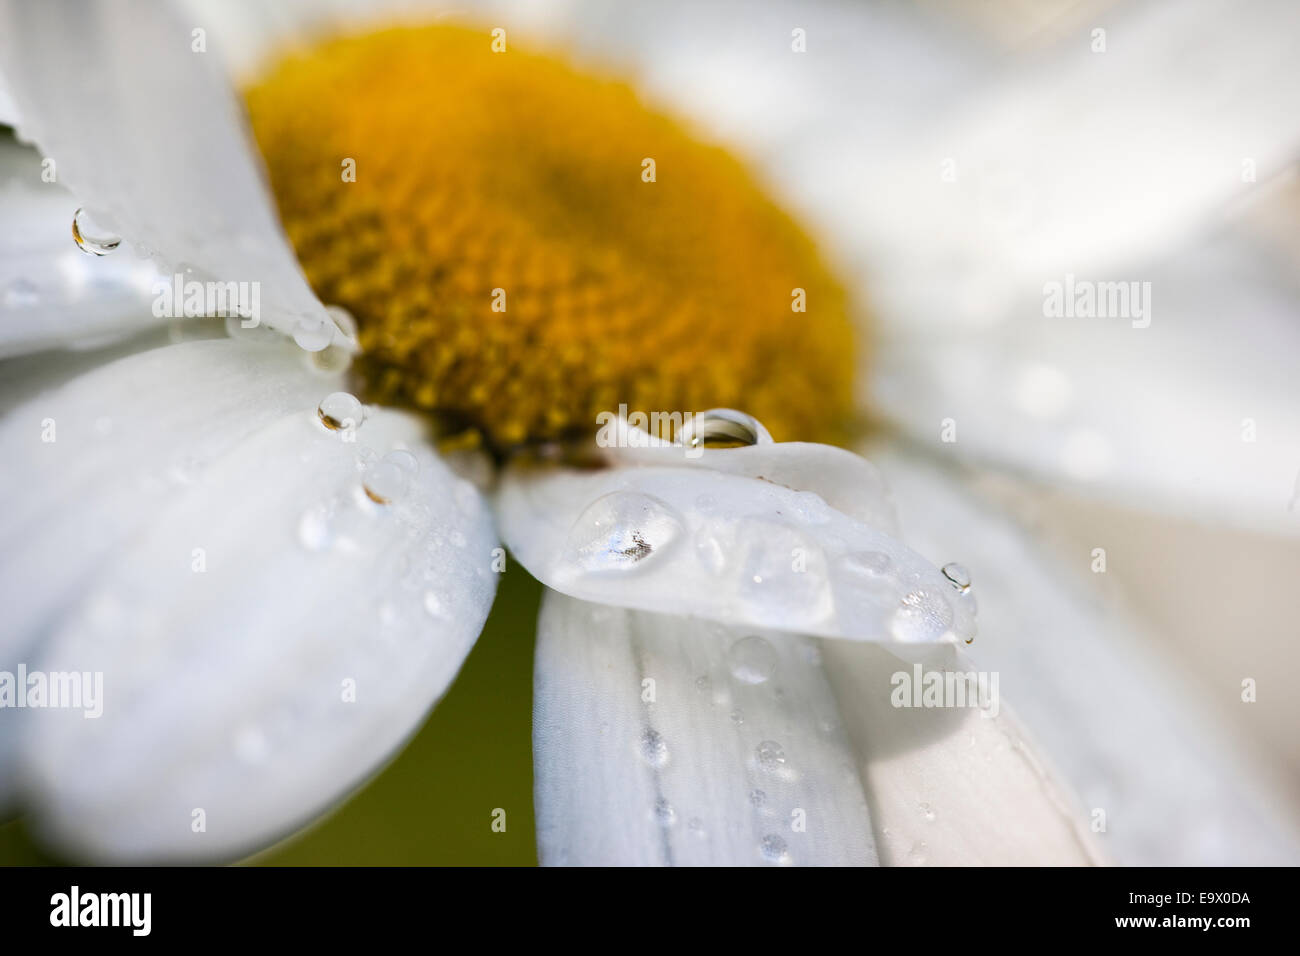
[524, 245]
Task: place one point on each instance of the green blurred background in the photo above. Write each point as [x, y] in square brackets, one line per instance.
[434, 803]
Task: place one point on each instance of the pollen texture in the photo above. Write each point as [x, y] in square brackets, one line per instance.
[525, 245]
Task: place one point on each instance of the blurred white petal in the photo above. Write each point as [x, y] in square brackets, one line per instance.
[662, 740]
[734, 541]
[148, 134]
[951, 786]
[1116, 717]
[199, 537]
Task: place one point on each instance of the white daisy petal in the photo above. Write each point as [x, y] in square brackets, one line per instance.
[148, 134]
[731, 542]
[51, 293]
[1121, 724]
[198, 536]
[953, 785]
[662, 740]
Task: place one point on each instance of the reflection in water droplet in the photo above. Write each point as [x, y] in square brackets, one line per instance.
[385, 482]
[665, 813]
[339, 411]
[653, 749]
[21, 294]
[90, 237]
[773, 848]
[921, 616]
[957, 576]
[404, 460]
[752, 659]
[621, 531]
[770, 756]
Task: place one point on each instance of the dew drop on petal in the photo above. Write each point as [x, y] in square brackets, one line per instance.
[90, 237]
[653, 749]
[757, 798]
[313, 333]
[752, 660]
[404, 460]
[340, 410]
[927, 812]
[773, 849]
[770, 756]
[957, 576]
[621, 531]
[385, 482]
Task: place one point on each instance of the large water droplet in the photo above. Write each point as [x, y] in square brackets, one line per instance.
[921, 616]
[340, 411]
[957, 576]
[20, 294]
[313, 333]
[385, 482]
[773, 849]
[752, 659]
[653, 749]
[770, 756]
[90, 237]
[622, 531]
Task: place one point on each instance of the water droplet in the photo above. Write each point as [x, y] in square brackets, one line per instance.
[703, 684]
[752, 659]
[653, 749]
[385, 482]
[313, 333]
[737, 717]
[957, 576]
[773, 849]
[90, 237]
[21, 294]
[340, 411]
[757, 797]
[664, 813]
[404, 460]
[621, 531]
[927, 812]
[921, 616]
[696, 826]
[770, 756]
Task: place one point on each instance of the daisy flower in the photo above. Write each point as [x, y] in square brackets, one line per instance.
[292, 380]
